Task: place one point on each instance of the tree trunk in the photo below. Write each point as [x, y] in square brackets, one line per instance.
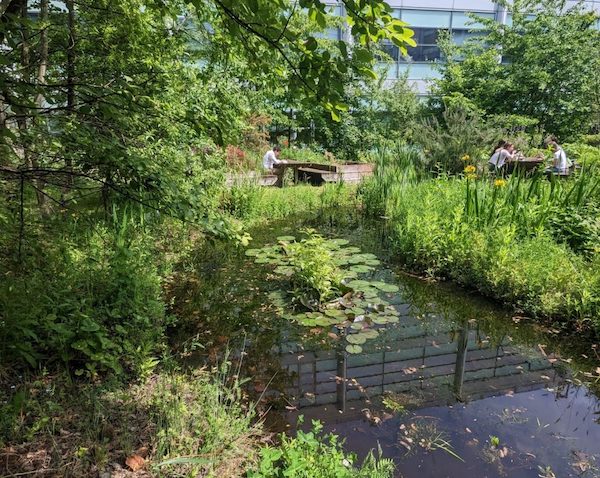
[70, 80]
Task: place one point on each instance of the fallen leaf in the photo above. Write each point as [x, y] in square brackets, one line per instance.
[135, 462]
[409, 371]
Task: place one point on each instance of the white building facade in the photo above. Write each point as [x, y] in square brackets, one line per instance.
[430, 17]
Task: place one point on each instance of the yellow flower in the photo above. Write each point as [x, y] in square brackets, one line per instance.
[466, 158]
[471, 176]
[470, 169]
[499, 183]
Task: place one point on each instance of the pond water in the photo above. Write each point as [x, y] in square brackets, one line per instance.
[457, 387]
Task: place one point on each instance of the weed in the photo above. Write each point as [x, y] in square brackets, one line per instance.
[315, 455]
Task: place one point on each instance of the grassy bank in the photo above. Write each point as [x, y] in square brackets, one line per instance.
[90, 384]
[530, 243]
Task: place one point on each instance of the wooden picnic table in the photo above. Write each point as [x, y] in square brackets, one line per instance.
[525, 164]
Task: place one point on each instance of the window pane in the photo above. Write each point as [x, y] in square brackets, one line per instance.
[424, 53]
[418, 71]
[390, 49]
[426, 18]
[387, 70]
[426, 36]
[461, 36]
[462, 20]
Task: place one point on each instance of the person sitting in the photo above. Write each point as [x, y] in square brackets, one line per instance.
[271, 158]
[501, 156]
[560, 163]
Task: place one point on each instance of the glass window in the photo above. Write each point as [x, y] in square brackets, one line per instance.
[419, 71]
[390, 49]
[387, 70]
[424, 53]
[461, 36]
[426, 18]
[462, 20]
[428, 36]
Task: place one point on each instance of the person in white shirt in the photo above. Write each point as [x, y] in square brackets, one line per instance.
[561, 163]
[501, 156]
[270, 158]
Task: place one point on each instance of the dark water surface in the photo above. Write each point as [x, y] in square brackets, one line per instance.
[460, 387]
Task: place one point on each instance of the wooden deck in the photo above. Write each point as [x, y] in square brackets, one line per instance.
[304, 172]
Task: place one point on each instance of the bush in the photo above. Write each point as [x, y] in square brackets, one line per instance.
[458, 135]
[314, 455]
[507, 240]
[93, 302]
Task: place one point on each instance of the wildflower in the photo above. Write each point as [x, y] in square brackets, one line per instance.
[470, 169]
[466, 158]
[499, 183]
[471, 176]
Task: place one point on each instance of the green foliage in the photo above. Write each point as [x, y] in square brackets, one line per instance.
[522, 242]
[584, 154]
[202, 424]
[315, 274]
[307, 155]
[183, 424]
[379, 115]
[459, 134]
[93, 302]
[548, 73]
[256, 204]
[314, 455]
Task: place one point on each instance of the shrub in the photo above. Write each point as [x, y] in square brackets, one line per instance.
[458, 134]
[94, 302]
[315, 274]
[315, 455]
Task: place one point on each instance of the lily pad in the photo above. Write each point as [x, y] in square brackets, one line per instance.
[389, 288]
[357, 325]
[361, 269]
[353, 349]
[351, 250]
[252, 252]
[372, 262]
[356, 339]
[284, 270]
[370, 333]
[369, 293]
[334, 313]
[325, 321]
[286, 238]
[339, 242]
[359, 285]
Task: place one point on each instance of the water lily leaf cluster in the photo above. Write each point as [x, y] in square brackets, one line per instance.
[355, 307]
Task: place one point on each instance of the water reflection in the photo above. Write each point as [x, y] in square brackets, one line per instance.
[433, 367]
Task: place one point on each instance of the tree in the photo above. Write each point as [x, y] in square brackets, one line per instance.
[550, 60]
[105, 96]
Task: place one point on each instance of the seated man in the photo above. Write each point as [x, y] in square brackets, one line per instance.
[561, 163]
[270, 159]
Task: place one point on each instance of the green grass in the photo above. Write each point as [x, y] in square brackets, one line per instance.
[532, 243]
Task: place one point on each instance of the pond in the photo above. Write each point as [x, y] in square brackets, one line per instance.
[457, 386]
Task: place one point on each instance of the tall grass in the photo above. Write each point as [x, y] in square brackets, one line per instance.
[530, 242]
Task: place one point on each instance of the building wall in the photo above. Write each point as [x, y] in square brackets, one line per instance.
[428, 18]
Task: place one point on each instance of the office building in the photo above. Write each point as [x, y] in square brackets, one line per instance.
[428, 18]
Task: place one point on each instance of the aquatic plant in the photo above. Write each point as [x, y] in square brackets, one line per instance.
[316, 455]
[325, 288]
